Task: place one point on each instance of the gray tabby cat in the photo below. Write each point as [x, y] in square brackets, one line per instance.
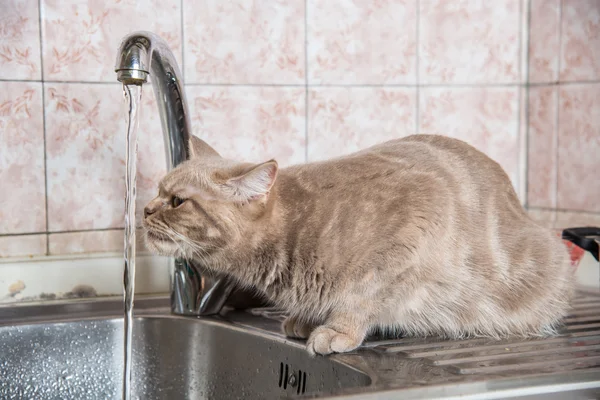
[423, 236]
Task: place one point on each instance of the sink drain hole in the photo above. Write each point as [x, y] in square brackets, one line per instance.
[304, 383]
[287, 377]
[300, 381]
[280, 374]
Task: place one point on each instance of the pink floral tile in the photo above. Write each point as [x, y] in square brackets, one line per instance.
[251, 123]
[542, 146]
[524, 45]
[579, 147]
[563, 219]
[580, 50]
[522, 146]
[81, 38]
[244, 41]
[152, 161]
[90, 242]
[22, 245]
[85, 143]
[362, 42]
[544, 40]
[86, 242]
[485, 117]
[20, 40]
[471, 41]
[574, 219]
[22, 158]
[543, 217]
[345, 120]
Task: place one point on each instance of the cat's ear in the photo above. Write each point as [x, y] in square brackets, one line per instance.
[200, 149]
[253, 184]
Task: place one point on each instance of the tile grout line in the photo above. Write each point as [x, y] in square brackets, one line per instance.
[556, 104]
[564, 210]
[306, 105]
[358, 85]
[522, 170]
[182, 44]
[116, 229]
[44, 126]
[62, 232]
[560, 41]
[557, 108]
[527, 111]
[417, 65]
[524, 100]
[565, 83]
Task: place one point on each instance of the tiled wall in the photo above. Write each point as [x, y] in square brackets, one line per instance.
[296, 80]
[564, 111]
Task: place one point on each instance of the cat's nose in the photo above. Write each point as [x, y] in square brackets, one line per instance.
[148, 211]
[153, 206]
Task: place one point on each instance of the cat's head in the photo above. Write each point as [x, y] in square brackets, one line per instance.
[207, 203]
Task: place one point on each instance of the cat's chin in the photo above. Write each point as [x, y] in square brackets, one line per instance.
[160, 246]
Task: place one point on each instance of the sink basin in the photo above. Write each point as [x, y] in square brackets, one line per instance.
[74, 350]
[173, 358]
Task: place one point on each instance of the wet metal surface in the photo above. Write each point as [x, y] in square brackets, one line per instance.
[577, 348]
[73, 350]
[173, 358]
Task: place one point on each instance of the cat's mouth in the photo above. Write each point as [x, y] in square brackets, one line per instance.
[157, 236]
[159, 243]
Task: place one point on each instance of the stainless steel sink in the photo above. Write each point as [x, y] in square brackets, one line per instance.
[174, 358]
[74, 350]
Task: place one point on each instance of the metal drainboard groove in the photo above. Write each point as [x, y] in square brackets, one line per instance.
[541, 364]
[581, 313]
[578, 348]
[400, 346]
[585, 299]
[388, 345]
[465, 358]
[578, 327]
[512, 347]
[395, 345]
[586, 306]
[579, 318]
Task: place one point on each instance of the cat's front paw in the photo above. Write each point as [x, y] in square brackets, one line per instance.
[325, 340]
[294, 328]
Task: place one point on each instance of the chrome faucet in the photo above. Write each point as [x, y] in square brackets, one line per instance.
[142, 54]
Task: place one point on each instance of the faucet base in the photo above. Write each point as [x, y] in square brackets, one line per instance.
[195, 293]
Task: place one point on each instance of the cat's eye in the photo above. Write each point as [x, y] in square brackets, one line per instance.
[176, 201]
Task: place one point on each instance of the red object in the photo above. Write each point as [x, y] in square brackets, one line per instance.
[575, 252]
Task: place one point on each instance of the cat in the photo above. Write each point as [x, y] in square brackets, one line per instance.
[422, 235]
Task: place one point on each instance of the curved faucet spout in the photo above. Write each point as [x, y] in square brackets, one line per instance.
[142, 54]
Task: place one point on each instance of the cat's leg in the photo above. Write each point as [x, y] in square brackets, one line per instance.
[342, 332]
[296, 328]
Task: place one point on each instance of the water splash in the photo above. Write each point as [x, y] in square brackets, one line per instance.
[133, 94]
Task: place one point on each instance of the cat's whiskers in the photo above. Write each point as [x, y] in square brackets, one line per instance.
[174, 240]
[186, 247]
[162, 229]
[196, 250]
